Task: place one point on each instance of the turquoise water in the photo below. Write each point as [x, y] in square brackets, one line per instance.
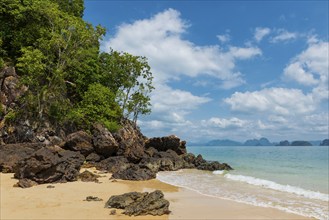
[293, 179]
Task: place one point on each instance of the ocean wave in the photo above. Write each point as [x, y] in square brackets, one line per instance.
[279, 187]
[218, 172]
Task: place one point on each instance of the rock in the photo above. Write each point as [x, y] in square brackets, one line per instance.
[171, 142]
[104, 142]
[79, 141]
[124, 200]
[93, 157]
[113, 212]
[131, 142]
[87, 176]
[134, 172]
[93, 198]
[49, 165]
[113, 164]
[135, 203]
[202, 164]
[11, 154]
[25, 183]
[50, 187]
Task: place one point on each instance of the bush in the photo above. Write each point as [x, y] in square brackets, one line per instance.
[97, 106]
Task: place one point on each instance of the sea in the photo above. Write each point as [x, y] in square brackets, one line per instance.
[294, 179]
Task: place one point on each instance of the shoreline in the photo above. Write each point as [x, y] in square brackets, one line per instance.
[65, 201]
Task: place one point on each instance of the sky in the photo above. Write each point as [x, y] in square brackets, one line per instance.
[226, 69]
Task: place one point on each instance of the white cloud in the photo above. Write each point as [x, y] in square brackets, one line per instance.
[260, 33]
[283, 35]
[278, 101]
[216, 122]
[311, 68]
[170, 56]
[224, 38]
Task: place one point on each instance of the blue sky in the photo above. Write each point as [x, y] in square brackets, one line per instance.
[227, 69]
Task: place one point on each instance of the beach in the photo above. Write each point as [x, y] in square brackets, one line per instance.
[66, 201]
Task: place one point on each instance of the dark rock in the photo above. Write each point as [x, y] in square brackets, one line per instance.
[134, 172]
[124, 200]
[50, 187]
[135, 203]
[11, 154]
[93, 157]
[131, 142]
[87, 176]
[199, 160]
[165, 143]
[93, 198]
[50, 164]
[104, 142]
[189, 158]
[79, 141]
[25, 183]
[113, 164]
[214, 165]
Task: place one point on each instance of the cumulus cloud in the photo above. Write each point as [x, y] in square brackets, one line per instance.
[160, 39]
[216, 122]
[283, 35]
[311, 68]
[261, 32]
[278, 101]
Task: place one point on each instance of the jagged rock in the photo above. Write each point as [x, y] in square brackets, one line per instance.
[104, 142]
[131, 142]
[93, 157]
[113, 164]
[134, 172]
[189, 158]
[202, 164]
[11, 154]
[50, 164]
[171, 142]
[25, 183]
[135, 203]
[87, 176]
[79, 141]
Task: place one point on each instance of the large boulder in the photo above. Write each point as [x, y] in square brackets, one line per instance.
[202, 164]
[11, 154]
[135, 203]
[113, 164]
[104, 142]
[79, 141]
[131, 142]
[134, 172]
[49, 165]
[171, 142]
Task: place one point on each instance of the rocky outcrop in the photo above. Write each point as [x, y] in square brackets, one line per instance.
[134, 172]
[131, 142]
[202, 164]
[50, 164]
[104, 142]
[135, 203]
[79, 141]
[11, 154]
[113, 164]
[171, 142]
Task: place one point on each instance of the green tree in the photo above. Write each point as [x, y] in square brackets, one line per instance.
[131, 78]
[98, 105]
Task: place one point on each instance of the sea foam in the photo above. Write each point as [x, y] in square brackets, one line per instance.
[279, 187]
[218, 172]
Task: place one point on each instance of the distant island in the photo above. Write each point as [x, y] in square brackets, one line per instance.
[262, 142]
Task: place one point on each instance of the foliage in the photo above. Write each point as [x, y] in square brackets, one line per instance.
[130, 77]
[56, 54]
[10, 117]
[98, 105]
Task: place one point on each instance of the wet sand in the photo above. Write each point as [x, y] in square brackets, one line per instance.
[65, 201]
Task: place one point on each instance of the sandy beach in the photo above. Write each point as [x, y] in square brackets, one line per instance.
[65, 201]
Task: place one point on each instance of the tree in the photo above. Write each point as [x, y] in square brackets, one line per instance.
[130, 76]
